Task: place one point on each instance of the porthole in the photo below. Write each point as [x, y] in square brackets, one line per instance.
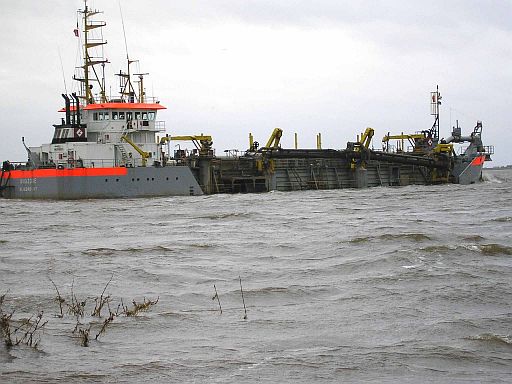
[106, 180]
[176, 177]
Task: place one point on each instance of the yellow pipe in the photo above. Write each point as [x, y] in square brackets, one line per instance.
[296, 141]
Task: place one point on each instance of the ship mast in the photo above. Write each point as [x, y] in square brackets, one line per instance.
[142, 99]
[434, 111]
[127, 90]
[90, 74]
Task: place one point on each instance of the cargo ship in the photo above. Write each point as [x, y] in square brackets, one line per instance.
[114, 147]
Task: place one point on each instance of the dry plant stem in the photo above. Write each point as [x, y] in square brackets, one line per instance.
[107, 321]
[84, 336]
[27, 331]
[5, 323]
[144, 306]
[30, 331]
[59, 299]
[2, 298]
[76, 308]
[102, 300]
[217, 297]
[5, 327]
[243, 300]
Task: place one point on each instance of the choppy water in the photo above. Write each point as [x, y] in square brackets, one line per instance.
[385, 285]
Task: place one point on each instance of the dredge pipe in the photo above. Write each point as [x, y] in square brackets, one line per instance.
[440, 162]
[430, 162]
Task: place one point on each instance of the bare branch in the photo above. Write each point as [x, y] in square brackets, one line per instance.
[59, 299]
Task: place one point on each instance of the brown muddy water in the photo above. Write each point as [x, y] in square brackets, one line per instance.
[384, 285]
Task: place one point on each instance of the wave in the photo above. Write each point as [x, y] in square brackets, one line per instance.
[440, 248]
[99, 252]
[495, 249]
[266, 290]
[447, 352]
[485, 249]
[230, 215]
[110, 251]
[199, 245]
[293, 290]
[495, 176]
[506, 219]
[473, 238]
[492, 338]
[416, 237]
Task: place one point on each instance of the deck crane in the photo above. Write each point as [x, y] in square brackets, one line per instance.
[203, 143]
[145, 155]
[274, 139]
[361, 146]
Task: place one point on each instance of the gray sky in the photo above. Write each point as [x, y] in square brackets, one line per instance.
[231, 67]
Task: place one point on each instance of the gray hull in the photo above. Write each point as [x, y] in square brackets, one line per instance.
[138, 182]
[468, 172]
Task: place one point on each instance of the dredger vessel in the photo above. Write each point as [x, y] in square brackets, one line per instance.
[111, 147]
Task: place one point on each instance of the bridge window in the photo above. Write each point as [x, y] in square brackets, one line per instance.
[129, 115]
[95, 116]
[144, 115]
[137, 115]
[121, 115]
[115, 116]
[151, 115]
[106, 116]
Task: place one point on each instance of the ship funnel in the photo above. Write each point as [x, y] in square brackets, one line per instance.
[68, 109]
[72, 111]
[77, 109]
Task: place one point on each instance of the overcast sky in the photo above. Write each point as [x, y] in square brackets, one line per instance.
[231, 67]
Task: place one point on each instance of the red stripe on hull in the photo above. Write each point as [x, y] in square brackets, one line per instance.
[75, 172]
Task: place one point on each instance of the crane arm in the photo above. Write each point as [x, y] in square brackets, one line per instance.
[403, 137]
[192, 138]
[366, 138]
[145, 155]
[202, 142]
[275, 137]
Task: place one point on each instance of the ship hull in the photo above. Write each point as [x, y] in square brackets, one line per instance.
[469, 172]
[92, 183]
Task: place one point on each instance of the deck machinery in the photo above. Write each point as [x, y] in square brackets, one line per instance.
[419, 158]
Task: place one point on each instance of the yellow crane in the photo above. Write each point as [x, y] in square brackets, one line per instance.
[412, 138]
[362, 145]
[145, 155]
[366, 138]
[275, 137]
[203, 143]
